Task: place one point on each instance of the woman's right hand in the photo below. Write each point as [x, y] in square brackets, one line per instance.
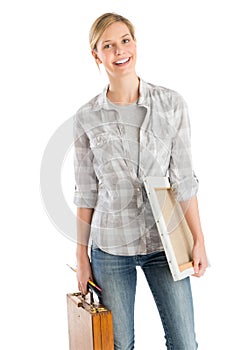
[84, 273]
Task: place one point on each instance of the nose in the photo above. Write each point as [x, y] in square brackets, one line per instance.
[119, 50]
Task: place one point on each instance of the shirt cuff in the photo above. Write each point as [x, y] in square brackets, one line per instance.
[186, 189]
[85, 199]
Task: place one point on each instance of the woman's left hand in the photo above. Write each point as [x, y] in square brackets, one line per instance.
[200, 262]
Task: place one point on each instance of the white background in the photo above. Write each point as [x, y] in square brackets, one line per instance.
[47, 73]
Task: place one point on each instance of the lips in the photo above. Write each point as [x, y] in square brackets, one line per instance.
[122, 61]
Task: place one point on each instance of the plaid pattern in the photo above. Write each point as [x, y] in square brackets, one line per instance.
[106, 179]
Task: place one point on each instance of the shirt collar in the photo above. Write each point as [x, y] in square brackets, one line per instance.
[101, 101]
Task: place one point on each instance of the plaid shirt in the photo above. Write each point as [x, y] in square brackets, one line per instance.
[106, 179]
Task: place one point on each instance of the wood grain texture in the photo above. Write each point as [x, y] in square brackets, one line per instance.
[88, 330]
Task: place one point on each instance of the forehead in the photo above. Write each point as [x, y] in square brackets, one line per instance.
[114, 31]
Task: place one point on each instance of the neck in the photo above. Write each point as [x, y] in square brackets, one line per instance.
[124, 90]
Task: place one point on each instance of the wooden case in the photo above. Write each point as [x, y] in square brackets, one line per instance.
[175, 234]
[90, 325]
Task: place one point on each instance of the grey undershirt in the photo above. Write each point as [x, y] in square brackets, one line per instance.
[131, 116]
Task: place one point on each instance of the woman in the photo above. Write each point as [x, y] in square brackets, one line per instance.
[132, 129]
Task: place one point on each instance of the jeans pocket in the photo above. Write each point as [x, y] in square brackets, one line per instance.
[94, 247]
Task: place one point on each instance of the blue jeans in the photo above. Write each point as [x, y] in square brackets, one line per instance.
[117, 277]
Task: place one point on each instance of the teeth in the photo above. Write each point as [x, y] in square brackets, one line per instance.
[122, 61]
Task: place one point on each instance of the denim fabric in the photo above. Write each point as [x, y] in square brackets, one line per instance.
[117, 277]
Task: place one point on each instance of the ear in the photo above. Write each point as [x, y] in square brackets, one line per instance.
[95, 55]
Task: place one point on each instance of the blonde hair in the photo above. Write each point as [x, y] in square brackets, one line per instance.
[104, 21]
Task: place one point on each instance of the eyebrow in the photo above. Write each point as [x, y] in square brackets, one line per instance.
[106, 41]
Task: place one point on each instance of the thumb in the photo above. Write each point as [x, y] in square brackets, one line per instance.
[196, 265]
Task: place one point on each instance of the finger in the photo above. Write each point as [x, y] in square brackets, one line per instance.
[83, 288]
[201, 271]
[196, 266]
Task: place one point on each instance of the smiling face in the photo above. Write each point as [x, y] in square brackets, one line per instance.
[116, 50]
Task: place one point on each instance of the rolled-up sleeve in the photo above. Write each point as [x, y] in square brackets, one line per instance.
[183, 179]
[85, 195]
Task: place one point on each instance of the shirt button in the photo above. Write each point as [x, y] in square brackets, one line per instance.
[138, 189]
[121, 128]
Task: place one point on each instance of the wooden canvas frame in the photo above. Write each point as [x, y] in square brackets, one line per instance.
[175, 234]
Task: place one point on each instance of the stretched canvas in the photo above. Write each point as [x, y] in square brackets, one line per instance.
[175, 234]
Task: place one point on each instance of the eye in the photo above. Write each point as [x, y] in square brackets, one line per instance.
[107, 46]
[125, 41]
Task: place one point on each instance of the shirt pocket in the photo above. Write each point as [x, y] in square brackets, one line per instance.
[156, 152]
[108, 151]
[99, 140]
[158, 144]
